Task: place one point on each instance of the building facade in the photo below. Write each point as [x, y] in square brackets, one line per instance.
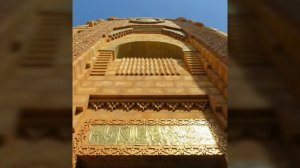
[149, 92]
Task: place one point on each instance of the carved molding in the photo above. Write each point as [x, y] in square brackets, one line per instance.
[148, 102]
[80, 148]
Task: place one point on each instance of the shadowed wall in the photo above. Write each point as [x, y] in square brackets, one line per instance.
[149, 49]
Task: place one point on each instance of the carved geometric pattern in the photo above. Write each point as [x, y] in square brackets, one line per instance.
[142, 106]
[84, 40]
[207, 36]
[148, 66]
[80, 147]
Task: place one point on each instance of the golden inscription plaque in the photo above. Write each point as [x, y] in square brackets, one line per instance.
[151, 135]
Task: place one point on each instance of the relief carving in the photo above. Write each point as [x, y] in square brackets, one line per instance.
[148, 66]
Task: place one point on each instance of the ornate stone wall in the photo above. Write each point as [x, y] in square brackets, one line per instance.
[158, 87]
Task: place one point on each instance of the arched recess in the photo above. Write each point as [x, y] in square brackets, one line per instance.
[148, 49]
[149, 38]
[161, 47]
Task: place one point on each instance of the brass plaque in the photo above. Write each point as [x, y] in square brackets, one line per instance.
[159, 135]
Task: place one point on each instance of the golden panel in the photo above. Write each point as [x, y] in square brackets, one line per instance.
[151, 135]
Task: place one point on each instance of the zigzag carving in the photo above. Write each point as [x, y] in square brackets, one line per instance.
[142, 106]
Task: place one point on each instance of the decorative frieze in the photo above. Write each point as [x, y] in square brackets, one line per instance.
[148, 66]
[142, 106]
[147, 102]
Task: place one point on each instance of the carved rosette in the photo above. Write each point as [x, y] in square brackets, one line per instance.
[146, 20]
